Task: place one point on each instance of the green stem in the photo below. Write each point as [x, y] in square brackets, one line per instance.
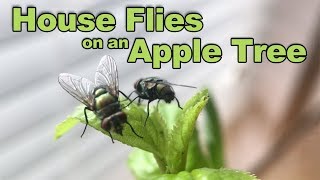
[161, 163]
[180, 165]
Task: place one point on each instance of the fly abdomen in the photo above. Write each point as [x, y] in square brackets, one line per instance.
[114, 122]
[165, 92]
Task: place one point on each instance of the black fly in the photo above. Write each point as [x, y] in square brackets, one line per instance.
[153, 88]
[101, 97]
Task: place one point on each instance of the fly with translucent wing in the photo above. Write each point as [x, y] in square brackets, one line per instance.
[101, 97]
[155, 88]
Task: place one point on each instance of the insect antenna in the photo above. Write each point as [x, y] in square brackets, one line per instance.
[87, 122]
[133, 130]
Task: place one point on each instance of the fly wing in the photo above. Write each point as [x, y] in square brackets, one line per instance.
[150, 85]
[162, 81]
[107, 75]
[151, 82]
[80, 88]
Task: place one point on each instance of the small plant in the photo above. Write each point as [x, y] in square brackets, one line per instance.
[170, 147]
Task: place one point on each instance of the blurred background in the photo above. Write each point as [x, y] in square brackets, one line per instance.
[269, 112]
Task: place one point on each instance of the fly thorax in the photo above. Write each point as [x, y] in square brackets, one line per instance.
[165, 92]
[103, 99]
[100, 91]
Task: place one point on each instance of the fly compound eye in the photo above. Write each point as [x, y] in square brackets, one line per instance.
[137, 83]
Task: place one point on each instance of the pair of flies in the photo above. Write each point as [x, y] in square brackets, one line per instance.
[102, 96]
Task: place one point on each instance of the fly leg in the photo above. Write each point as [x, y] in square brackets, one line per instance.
[127, 97]
[131, 94]
[148, 112]
[158, 103]
[133, 130]
[139, 101]
[131, 101]
[87, 122]
[111, 137]
[178, 102]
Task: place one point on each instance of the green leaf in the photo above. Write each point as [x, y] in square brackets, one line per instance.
[182, 132]
[153, 134]
[65, 126]
[144, 167]
[142, 164]
[195, 158]
[206, 173]
[213, 136]
[169, 112]
[166, 134]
